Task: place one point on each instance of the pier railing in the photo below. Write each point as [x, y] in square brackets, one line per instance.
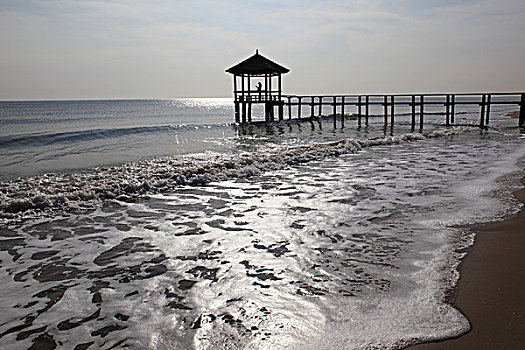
[417, 104]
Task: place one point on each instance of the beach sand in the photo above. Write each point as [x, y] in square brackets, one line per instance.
[491, 289]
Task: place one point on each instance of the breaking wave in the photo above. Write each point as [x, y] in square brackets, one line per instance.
[51, 193]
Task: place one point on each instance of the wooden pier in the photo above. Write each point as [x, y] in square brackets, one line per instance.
[338, 106]
[266, 74]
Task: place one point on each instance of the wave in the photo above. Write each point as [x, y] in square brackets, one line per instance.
[69, 137]
[50, 194]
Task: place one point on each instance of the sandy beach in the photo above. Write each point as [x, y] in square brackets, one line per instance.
[490, 290]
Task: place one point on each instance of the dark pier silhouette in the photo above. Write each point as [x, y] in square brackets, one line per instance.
[258, 67]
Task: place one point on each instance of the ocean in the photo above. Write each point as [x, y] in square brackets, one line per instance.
[161, 224]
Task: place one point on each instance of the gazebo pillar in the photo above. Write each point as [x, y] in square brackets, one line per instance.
[266, 87]
[281, 103]
[280, 87]
[236, 100]
[269, 104]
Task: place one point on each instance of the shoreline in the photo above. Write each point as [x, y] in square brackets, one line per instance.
[491, 286]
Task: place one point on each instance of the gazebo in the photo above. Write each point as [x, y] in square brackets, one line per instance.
[257, 67]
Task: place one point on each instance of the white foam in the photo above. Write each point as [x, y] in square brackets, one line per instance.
[54, 193]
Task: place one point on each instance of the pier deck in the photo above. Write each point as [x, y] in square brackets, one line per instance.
[294, 106]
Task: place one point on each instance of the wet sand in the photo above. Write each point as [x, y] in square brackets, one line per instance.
[491, 289]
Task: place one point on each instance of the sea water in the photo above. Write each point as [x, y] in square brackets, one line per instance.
[161, 225]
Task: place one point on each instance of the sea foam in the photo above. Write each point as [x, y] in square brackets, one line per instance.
[45, 194]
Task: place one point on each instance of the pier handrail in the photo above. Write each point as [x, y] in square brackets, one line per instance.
[411, 94]
[388, 101]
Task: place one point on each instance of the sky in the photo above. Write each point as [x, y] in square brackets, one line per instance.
[97, 49]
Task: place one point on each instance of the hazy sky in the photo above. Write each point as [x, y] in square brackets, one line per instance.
[59, 49]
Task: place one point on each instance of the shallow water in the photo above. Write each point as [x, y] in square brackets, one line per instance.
[44, 136]
[343, 244]
[38, 137]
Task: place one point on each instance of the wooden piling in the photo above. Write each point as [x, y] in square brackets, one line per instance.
[482, 113]
[453, 110]
[242, 89]
[359, 111]
[487, 113]
[447, 112]
[334, 109]
[386, 110]
[413, 123]
[522, 112]
[269, 87]
[289, 107]
[243, 111]
[237, 114]
[299, 107]
[421, 112]
[311, 107]
[392, 101]
[249, 112]
[342, 112]
[320, 105]
[366, 111]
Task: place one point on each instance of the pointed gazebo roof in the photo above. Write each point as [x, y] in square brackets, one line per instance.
[257, 65]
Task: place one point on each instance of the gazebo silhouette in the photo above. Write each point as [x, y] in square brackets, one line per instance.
[257, 66]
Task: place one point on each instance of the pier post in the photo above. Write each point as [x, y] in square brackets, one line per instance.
[482, 114]
[522, 111]
[243, 111]
[359, 111]
[320, 105]
[311, 107]
[265, 87]
[289, 107]
[421, 112]
[392, 101]
[453, 110]
[334, 109]
[487, 115]
[413, 124]
[342, 112]
[366, 110]
[385, 103]
[237, 112]
[299, 107]
[249, 112]
[448, 110]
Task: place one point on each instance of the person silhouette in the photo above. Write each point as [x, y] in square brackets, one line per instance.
[259, 89]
